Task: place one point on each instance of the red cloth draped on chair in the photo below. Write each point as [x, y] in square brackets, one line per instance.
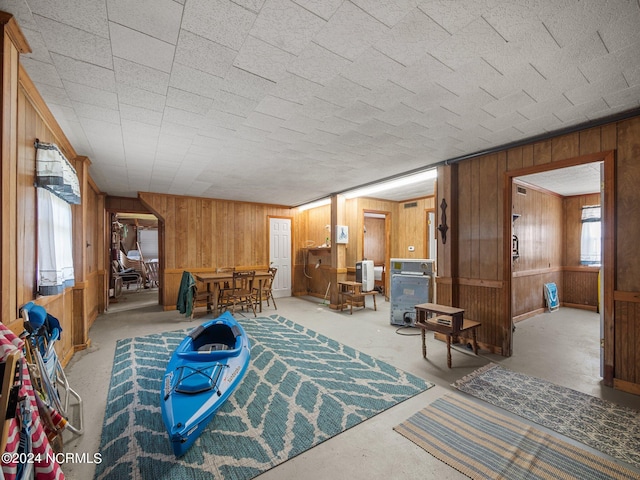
[45, 465]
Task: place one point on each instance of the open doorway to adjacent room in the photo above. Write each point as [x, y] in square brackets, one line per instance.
[551, 211]
[376, 246]
[134, 254]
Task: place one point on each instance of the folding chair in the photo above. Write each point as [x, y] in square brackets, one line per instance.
[42, 331]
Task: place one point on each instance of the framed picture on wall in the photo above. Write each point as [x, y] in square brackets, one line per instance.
[342, 234]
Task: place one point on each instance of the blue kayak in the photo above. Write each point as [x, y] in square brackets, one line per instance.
[203, 371]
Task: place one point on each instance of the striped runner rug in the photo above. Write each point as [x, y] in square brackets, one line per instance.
[484, 444]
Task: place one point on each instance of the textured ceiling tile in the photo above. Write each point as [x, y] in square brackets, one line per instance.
[323, 8]
[84, 110]
[454, 16]
[508, 104]
[338, 125]
[612, 83]
[581, 20]
[75, 43]
[182, 117]
[342, 91]
[542, 109]
[262, 121]
[263, 59]
[320, 109]
[399, 114]
[412, 37]
[350, 31]
[42, 73]
[286, 25]
[54, 95]
[157, 18]
[223, 119]
[277, 107]
[21, 11]
[188, 101]
[138, 114]
[504, 121]
[359, 112]
[247, 84]
[386, 95]
[581, 113]
[223, 22]
[202, 54]
[140, 98]
[92, 96]
[426, 70]
[140, 77]
[295, 89]
[302, 124]
[625, 30]
[232, 103]
[175, 129]
[140, 48]
[39, 50]
[431, 96]
[85, 73]
[318, 64]
[573, 55]
[195, 81]
[474, 40]
[389, 12]
[372, 69]
[624, 99]
[87, 15]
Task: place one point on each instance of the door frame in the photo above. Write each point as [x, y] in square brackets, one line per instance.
[387, 243]
[608, 247]
[291, 268]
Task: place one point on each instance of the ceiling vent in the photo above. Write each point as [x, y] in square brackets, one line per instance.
[411, 205]
[521, 190]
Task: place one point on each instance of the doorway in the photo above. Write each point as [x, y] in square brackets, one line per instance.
[134, 261]
[280, 239]
[518, 272]
[376, 246]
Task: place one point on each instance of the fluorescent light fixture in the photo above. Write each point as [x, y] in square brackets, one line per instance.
[317, 203]
[397, 183]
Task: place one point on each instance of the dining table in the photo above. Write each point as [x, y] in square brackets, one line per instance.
[213, 280]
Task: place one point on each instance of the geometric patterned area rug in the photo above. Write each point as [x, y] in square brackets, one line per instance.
[482, 443]
[600, 424]
[301, 388]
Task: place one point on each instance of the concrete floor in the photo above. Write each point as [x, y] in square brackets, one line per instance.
[561, 347]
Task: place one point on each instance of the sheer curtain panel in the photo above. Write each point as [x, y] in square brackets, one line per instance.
[58, 188]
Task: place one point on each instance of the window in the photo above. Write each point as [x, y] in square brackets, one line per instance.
[591, 238]
[58, 187]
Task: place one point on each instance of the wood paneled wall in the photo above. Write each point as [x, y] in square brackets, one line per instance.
[202, 234]
[540, 236]
[25, 119]
[483, 239]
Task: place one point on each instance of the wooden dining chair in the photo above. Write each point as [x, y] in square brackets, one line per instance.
[266, 292]
[224, 289]
[241, 293]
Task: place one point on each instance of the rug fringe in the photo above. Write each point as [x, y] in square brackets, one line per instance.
[474, 374]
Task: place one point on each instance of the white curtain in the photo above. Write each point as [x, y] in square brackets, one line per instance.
[55, 240]
[591, 239]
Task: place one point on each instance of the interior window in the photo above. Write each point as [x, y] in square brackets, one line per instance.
[591, 238]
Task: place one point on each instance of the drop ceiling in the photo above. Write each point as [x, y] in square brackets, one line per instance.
[285, 102]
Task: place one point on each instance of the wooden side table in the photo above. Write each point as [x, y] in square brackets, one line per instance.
[446, 320]
[350, 293]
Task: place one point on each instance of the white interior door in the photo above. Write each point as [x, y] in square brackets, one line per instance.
[280, 255]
